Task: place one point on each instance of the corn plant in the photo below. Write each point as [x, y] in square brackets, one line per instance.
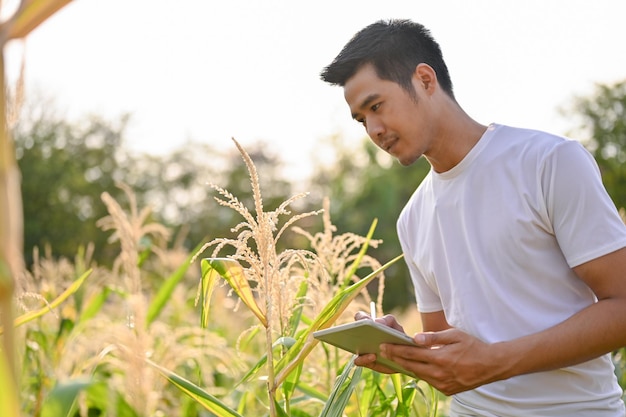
[103, 349]
[291, 294]
[91, 355]
[29, 14]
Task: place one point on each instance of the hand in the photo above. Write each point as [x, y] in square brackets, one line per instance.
[451, 361]
[369, 360]
[388, 320]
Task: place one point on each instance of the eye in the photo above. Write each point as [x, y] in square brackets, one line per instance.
[375, 107]
[361, 121]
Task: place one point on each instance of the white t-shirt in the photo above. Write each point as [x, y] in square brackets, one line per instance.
[492, 241]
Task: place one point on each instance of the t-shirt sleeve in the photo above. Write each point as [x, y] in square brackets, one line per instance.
[585, 220]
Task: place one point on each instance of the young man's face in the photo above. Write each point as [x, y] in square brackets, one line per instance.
[396, 121]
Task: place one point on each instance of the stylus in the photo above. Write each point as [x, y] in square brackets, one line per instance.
[373, 310]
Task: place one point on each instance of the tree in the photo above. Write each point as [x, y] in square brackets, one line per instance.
[65, 168]
[602, 127]
[177, 186]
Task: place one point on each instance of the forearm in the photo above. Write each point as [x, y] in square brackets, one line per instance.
[594, 331]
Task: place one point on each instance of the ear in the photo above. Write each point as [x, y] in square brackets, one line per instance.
[425, 78]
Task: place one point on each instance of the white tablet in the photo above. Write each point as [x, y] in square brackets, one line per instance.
[366, 336]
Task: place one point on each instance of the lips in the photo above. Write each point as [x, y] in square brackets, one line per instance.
[387, 144]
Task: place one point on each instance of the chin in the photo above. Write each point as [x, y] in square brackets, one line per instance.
[406, 161]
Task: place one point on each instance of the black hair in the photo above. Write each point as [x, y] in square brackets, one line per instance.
[394, 48]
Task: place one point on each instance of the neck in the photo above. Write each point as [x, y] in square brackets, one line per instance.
[456, 136]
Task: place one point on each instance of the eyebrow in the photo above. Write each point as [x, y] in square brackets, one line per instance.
[365, 103]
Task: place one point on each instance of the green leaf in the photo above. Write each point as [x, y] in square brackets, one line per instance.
[368, 393]
[294, 320]
[94, 304]
[107, 401]
[301, 413]
[342, 390]
[396, 379]
[357, 261]
[167, 288]
[311, 392]
[202, 397]
[291, 382]
[329, 314]
[279, 410]
[286, 342]
[405, 402]
[208, 281]
[32, 315]
[231, 271]
[60, 400]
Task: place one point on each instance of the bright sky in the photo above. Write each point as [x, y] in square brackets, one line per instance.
[211, 70]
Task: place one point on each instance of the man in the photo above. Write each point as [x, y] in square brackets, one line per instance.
[517, 253]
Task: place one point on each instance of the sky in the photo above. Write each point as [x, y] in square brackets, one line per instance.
[207, 71]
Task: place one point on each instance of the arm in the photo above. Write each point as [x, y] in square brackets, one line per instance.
[461, 362]
[596, 330]
[434, 322]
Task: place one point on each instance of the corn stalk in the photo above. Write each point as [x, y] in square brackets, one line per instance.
[29, 15]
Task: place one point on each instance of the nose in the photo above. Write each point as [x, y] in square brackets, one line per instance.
[375, 128]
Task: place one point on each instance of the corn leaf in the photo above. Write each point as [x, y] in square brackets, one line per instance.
[30, 14]
[9, 404]
[284, 342]
[94, 304]
[231, 271]
[311, 392]
[342, 390]
[207, 282]
[357, 261]
[405, 403]
[396, 380]
[166, 290]
[32, 315]
[291, 382]
[369, 392]
[296, 316]
[60, 401]
[427, 403]
[279, 410]
[329, 314]
[202, 397]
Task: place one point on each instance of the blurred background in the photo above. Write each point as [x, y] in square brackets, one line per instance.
[150, 93]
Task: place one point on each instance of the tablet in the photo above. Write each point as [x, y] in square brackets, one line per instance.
[365, 336]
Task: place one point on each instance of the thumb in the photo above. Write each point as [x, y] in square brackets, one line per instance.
[435, 339]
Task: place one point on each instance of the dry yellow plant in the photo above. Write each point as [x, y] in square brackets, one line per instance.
[336, 253]
[276, 277]
[132, 342]
[276, 285]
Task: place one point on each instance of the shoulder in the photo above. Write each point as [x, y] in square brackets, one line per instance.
[535, 149]
[531, 138]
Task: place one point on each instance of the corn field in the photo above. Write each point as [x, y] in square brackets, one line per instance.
[166, 332]
[222, 330]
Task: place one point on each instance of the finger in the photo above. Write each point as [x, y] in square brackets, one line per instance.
[435, 339]
[365, 360]
[390, 320]
[360, 315]
[369, 361]
[396, 353]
